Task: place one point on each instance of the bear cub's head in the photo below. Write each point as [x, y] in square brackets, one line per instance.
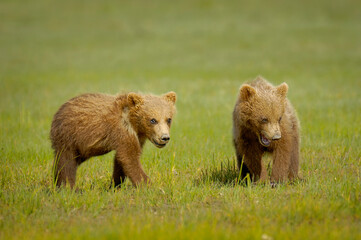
[152, 116]
[262, 109]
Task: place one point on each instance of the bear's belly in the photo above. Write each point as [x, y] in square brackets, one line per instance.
[92, 152]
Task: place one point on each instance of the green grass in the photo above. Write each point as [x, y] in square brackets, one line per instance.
[204, 50]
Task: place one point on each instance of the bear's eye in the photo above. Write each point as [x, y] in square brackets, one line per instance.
[169, 120]
[264, 120]
[153, 121]
[279, 120]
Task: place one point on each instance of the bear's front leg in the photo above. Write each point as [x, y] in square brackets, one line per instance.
[294, 161]
[281, 162]
[127, 157]
[253, 162]
[249, 159]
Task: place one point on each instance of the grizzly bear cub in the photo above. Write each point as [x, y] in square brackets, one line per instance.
[265, 121]
[95, 124]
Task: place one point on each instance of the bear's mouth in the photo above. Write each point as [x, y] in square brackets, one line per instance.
[159, 145]
[264, 141]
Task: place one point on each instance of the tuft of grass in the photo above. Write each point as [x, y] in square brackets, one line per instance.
[226, 174]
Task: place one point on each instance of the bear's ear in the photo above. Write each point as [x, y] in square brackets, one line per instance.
[282, 90]
[170, 97]
[246, 92]
[134, 99]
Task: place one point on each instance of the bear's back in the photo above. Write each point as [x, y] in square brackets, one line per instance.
[83, 119]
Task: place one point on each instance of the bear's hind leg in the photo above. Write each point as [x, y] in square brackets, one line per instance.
[65, 166]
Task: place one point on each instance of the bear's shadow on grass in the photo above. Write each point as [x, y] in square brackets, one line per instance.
[227, 174]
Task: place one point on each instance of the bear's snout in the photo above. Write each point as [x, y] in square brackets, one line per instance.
[165, 138]
[276, 136]
[161, 141]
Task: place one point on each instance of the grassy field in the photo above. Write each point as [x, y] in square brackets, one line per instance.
[204, 50]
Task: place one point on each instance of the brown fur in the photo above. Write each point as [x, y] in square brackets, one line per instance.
[95, 124]
[262, 113]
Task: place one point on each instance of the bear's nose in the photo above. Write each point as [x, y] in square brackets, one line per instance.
[276, 136]
[165, 138]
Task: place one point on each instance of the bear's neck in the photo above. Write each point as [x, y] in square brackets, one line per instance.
[142, 138]
[140, 132]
